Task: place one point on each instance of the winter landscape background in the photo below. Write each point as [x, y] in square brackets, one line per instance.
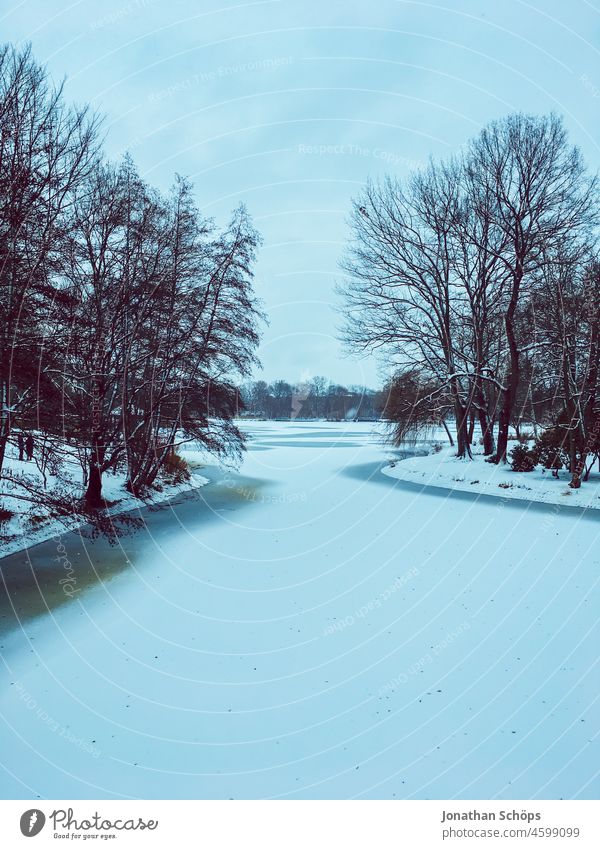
[300, 400]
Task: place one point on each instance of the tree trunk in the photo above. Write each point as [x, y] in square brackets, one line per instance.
[572, 449]
[503, 425]
[508, 402]
[449, 435]
[575, 481]
[579, 468]
[533, 415]
[462, 437]
[486, 432]
[93, 494]
[5, 422]
[471, 428]
[512, 378]
[3, 441]
[590, 419]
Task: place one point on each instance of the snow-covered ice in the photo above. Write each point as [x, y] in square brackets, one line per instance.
[311, 628]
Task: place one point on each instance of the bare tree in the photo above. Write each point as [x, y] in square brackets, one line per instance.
[203, 337]
[540, 197]
[107, 286]
[442, 270]
[46, 150]
[403, 296]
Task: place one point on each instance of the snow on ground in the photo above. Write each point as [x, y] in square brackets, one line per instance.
[310, 628]
[444, 469]
[30, 525]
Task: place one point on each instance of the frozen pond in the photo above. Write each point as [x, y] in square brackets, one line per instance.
[308, 628]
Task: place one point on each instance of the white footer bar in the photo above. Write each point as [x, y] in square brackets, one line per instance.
[301, 824]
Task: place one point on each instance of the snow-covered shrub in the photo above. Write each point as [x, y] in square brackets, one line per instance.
[551, 450]
[522, 459]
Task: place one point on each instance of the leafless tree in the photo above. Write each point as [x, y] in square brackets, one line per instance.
[47, 149]
[442, 270]
[537, 194]
[402, 295]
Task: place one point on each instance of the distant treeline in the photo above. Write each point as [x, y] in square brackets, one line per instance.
[315, 398]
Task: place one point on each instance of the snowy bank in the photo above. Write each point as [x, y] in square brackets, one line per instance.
[28, 527]
[444, 469]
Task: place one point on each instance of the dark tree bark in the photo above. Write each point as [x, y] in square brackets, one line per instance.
[93, 495]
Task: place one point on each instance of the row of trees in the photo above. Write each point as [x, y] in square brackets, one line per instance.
[126, 318]
[479, 279]
[314, 398]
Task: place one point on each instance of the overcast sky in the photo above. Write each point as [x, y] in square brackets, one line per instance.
[290, 105]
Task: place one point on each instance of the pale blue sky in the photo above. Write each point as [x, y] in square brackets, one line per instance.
[289, 105]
